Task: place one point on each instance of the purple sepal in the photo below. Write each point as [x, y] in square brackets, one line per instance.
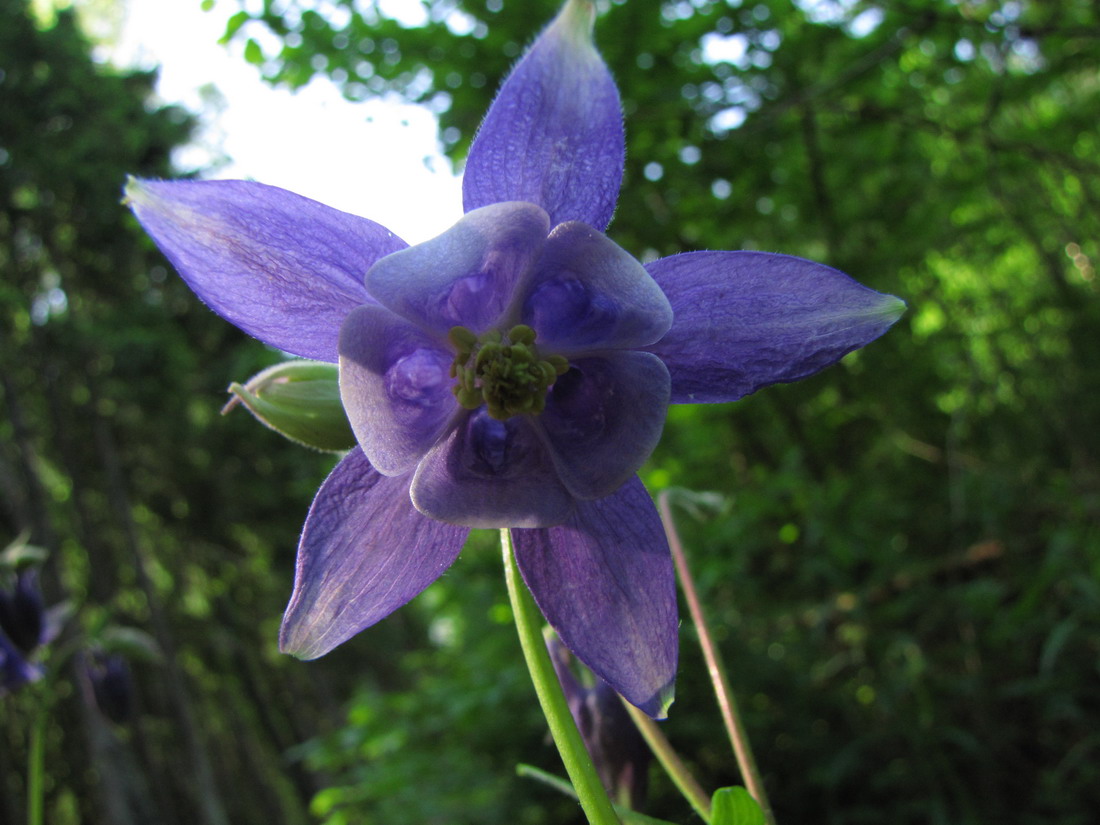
[365, 551]
[554, 134]
[588, 292]
[282, 267]
[744, 320]
[468, 275]
[490, 473]
[395, 386]
[603, 418]
[605, 582]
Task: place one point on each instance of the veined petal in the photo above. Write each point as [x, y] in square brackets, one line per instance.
[588, 292]
[605, 582]
[490, 473]
[283, 268]
[554, 134]
[395, 387]
[468, 275]
[603, 418]
[365, 551]
[744, 320]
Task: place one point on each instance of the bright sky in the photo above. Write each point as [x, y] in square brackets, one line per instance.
[377, 159]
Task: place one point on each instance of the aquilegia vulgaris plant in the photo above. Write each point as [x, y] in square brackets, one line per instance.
[513, 372]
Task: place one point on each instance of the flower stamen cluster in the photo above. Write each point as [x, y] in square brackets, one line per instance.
[503, 372]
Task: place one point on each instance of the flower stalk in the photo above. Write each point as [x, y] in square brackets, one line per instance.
[677, 771]
[578, 764]
[739, 739]
[36, 767]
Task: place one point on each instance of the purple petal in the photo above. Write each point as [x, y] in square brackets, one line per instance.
[365, 551]
[490, 473]
[554, 134]
[283, 268]
[395, 386]
[589, 292]
[604, 580]
[603, 418]
[744, 320]
[469, 274]
[15, 670]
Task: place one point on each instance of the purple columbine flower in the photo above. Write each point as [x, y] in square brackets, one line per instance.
[512, 372]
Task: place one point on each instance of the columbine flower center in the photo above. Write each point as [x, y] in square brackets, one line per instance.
[503, 372]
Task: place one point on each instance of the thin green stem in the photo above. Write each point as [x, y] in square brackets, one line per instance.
[670, 760]
[36, 766]
[578, 764]
[742, 750]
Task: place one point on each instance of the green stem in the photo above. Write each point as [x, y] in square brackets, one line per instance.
[677, 771]
[739, 738]
[36, 766]
[578, 764]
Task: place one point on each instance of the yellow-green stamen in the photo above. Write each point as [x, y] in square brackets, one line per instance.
[503, 372]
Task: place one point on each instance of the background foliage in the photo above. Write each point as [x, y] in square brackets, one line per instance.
[904, 566]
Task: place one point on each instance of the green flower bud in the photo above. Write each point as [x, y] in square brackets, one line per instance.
[299, 400]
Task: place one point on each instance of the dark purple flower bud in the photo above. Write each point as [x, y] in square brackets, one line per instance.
[22, 612]
[112, 686]
[618, 750]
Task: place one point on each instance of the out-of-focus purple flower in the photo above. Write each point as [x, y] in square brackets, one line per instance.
[618, 750]
[15, 669]
[23, 612]
[112, 687]
[512, 372]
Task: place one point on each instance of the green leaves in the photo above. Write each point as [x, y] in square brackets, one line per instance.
[734, 806]
[253, 53]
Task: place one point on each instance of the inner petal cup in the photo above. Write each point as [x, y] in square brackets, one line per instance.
[490, 473]
[588, 292]
[395, 387]
[603, 418]
[468, 275]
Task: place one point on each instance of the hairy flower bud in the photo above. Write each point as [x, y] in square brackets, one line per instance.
[300, 400]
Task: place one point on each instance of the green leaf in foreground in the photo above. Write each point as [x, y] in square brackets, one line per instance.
[734, 806]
